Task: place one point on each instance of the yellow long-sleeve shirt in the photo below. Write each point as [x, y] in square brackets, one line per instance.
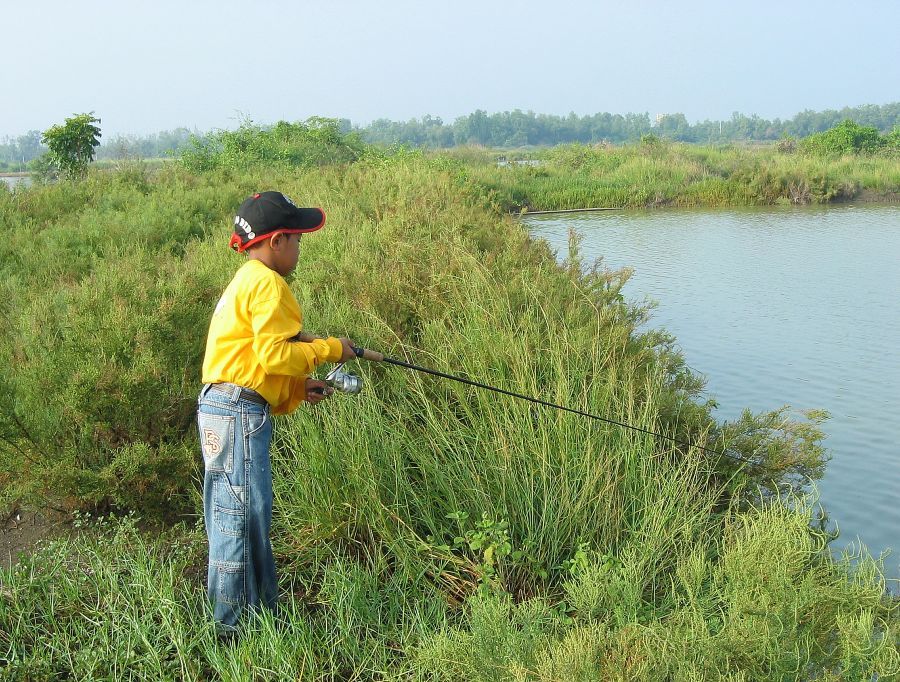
[249, 339]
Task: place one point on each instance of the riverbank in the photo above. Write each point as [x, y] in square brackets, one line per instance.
[658, 174]
[423, 530]
[864, 197]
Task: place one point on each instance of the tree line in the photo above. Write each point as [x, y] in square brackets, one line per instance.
[518, 128]
[508, 129]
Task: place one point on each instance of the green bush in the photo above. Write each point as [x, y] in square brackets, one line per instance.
[315, 142]
[892, 140]
[845, 138]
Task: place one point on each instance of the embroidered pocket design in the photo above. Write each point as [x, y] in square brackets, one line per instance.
[217, 441]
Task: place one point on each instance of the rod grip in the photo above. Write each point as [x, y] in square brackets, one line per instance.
[366, 354]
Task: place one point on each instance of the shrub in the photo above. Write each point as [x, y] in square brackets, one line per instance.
[845, 138]
[786, 145]
[315, 142]
[892, 140]
[72, 145]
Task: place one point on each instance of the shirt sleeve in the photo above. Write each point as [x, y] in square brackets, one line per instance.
[273, 327]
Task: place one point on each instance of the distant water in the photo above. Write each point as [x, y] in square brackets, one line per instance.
[781, 306]
[15, 180]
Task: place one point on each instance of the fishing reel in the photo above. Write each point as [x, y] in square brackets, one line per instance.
[344, 382]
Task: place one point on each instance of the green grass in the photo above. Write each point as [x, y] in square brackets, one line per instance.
[758, 599]
[425, 529]
[669, 174]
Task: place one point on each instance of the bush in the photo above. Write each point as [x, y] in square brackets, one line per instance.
[71, 145]
[103, 301]
[315, 142]
[845, 138]
[786, 145]
[892, 140]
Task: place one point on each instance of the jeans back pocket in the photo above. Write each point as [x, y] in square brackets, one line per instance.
[217, 441]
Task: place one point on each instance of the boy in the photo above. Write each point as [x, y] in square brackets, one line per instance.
[253, 367]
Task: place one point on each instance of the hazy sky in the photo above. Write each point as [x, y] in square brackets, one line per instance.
[146, 66]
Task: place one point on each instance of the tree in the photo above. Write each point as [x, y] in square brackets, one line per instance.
[72, 144]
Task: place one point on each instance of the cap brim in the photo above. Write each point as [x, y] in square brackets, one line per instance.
[309, 220]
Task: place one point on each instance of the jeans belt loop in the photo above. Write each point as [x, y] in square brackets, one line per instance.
[235, 392]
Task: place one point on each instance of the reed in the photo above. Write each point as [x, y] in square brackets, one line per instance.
[658, 173]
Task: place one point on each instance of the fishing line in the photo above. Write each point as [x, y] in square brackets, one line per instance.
[349, 383]
[372, 355]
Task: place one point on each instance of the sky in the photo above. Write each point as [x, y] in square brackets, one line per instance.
[146, 66]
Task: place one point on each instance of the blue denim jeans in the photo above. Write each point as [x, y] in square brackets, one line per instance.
[235, 434]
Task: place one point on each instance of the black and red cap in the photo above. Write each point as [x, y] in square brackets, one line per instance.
[267, 213]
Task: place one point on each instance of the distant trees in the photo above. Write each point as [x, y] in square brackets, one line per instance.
[518, 128]
[16, 152]
[151, 146]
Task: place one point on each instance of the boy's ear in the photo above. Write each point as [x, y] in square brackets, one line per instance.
[276, 239]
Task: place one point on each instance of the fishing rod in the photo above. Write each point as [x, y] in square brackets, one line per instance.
[352, 385]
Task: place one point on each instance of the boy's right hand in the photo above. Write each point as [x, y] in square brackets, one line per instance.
[347, 353]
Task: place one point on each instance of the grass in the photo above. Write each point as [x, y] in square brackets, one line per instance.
[659, 173]
[424, 530]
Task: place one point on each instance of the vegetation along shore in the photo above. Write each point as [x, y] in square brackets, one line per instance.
[424, 530]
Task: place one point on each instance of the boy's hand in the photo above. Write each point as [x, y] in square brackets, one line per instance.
[348, 353]
[317, 390]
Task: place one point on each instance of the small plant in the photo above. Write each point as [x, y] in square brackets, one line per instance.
[490, 541]
[580, 561]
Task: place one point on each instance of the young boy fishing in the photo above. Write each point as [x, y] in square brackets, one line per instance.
[254, 367]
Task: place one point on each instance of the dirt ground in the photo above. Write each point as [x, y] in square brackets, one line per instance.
[23, 530]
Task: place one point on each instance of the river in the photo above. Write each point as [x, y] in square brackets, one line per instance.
[16, 180]
[778, 306]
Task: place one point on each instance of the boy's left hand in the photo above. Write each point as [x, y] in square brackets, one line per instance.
[317, 390]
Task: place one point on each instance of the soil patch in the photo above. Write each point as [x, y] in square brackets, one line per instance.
[22, 531]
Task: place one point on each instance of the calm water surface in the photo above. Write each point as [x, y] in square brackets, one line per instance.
[776, 307]
[16, 180]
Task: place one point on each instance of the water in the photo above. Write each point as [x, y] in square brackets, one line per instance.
[781, 306]
[16, 180]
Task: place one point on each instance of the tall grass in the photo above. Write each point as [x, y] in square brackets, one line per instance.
[423, 530]
[658, 173]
